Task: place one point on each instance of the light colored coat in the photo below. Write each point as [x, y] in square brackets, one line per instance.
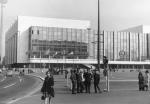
[146, 79]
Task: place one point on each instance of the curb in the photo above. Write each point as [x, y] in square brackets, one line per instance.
[38, 77]
[28, 95]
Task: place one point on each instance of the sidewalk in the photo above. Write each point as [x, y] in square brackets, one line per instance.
[120, 93]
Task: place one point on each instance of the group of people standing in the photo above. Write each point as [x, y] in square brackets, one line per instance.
[81, 81]
[143, 80]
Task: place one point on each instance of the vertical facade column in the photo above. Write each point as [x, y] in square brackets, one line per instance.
[113, 46]
[17, 47]
[139, 54]
[103, 45]
[129, 48]
[11, 50]
[147, 46]
[88, 31]
[95, 48]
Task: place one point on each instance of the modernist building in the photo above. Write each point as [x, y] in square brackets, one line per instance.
[35, 40]
[45, 39]
[126, 46]
[129, 47]
[138, 29]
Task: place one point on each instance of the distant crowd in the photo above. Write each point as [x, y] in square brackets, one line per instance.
[81, 81]
[143, 80]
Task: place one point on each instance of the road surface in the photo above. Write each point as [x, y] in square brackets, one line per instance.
[11, 88]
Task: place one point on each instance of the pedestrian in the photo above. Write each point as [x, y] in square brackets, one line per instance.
[66, 74]
[141, 81]
[47, 88]
[79, 79]
[96, 81]
[146, 80]
[82, 81]
[88, 78]
[23, 71]
[73, 81]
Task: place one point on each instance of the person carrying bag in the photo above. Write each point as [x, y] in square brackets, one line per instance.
[47, 88]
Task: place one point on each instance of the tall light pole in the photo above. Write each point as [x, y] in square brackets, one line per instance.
[2, 2]
[98, 38]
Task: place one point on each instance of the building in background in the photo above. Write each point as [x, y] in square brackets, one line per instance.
[44, 41]
[129, 46]
[138, 29]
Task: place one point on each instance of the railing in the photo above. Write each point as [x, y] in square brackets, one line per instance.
[85, 61]
[75, 61]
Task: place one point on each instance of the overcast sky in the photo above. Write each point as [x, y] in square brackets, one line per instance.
[114, 15]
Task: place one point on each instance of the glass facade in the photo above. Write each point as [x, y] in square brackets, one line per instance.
[53, 42]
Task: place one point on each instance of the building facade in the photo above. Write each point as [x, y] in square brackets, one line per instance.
[55, 42]
[46, 38]
[127, 46]
[35, 40]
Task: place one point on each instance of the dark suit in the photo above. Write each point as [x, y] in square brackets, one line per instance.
[88, 78]
[96, 82]
[47, 87]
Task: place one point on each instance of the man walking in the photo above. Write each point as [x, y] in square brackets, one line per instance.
[96, 81]
[73, 80]
[79, 80]
[88, 78]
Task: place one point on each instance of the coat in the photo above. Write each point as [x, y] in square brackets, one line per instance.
[73, 77]
[146, 79]
[88, 77]
[141, 78]
[48, 86]
[96, 78]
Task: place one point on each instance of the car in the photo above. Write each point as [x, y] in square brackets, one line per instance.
[9, 73]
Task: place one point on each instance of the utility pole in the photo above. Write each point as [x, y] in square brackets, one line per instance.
[98, 39]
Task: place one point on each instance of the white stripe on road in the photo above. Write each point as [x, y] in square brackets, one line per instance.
[9, 85]
[3, 79]
[120, 80]
[29, 94]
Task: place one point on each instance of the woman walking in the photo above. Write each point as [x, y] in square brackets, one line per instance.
[146, 80]
[141, 81]
[47, 88]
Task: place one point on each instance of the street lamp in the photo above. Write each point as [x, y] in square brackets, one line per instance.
[98, 38]
[98, 45]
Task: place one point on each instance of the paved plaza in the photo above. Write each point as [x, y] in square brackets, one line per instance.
[121, 92]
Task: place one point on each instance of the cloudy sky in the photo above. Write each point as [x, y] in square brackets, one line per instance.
[114, 14]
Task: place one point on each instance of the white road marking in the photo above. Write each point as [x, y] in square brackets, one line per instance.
[3, 79]
[9, 85]
[29, 94]
[128, 80]
[25, 96]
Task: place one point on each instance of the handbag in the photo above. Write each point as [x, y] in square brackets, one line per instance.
[43, 97]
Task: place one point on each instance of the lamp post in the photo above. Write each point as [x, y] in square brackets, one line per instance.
[98, 38]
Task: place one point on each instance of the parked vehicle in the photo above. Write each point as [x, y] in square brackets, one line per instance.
[9, 73]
